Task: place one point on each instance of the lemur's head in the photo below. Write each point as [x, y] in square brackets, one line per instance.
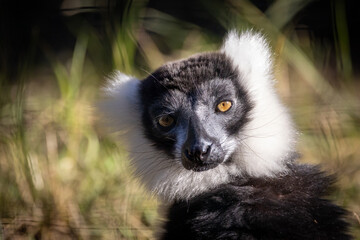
[199, 122]
[194, 110]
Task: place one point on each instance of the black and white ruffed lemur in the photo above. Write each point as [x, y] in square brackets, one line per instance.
[209, 136]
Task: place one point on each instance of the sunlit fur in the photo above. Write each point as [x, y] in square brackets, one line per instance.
[261, 149]
[270, 135]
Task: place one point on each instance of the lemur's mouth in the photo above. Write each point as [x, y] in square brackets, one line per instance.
[204, 168]
[198, 166]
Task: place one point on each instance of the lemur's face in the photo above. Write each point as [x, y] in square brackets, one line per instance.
[194, 110]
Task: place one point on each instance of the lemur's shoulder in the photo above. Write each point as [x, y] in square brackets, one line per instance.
[292, 206]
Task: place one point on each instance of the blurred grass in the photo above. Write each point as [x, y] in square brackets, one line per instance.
[61, 177]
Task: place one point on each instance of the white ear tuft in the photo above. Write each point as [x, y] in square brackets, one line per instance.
[250, 53]
[120, 105]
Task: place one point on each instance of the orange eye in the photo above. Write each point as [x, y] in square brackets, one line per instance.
[224, 106]
[166, 121]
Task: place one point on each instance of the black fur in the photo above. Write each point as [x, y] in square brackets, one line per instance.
[289, 207]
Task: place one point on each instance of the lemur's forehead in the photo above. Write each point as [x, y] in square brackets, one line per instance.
[206, 93]
[186, 74]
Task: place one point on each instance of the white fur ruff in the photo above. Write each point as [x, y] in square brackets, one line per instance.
[270, 135]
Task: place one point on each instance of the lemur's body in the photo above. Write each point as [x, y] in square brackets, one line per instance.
[287, 207]
[210, 137]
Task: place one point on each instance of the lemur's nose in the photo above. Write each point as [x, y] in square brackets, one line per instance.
[198, 152]
[197, 147]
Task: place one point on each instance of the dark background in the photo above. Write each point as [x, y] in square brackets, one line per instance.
[27, 27]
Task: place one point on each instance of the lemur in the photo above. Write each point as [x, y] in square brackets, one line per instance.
[209, 136]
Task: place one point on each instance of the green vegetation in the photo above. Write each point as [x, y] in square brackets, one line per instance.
[62, 177]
